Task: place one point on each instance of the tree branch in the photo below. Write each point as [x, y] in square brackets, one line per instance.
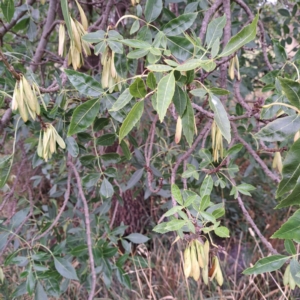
[46, 32]
[88, 229]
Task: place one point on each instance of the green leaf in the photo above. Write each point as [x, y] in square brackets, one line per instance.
[151, 81]
[267, 264]
[165, 92]
[244, 188]
[292, 90]
[153, 9]
[161, 228]
[222, 232]
[40, 293]
[30, 282]
[65, 268]
[218, 91]
[94, 37]
[206, 186]
[290, 229]
[116, 47]
[5, 167]
[188, 123]
[173, 210]
[190, 65]
[122, 100]
[204, 202]
[279, 129]
[106, 139]
[214, 30]
[135, 27]
[72, 146]
[290, 247]
[246, 35]
[137, 238]
[136, 44]
[175, 225]
[280, 53]
[221, 117]
[159, 68]
[189, 173]
[125, 149]
[199, 92]
[291, 199]
[8, 9]
[83, 116]
[180, 47]
[179, 24]
[106, 189]
[84, 84]
[180, 99]
[137, 88]
[65, 11]
[234, 149]
[176, 194]
[190, 200]
[290, 171]
[132, 118]
[135, 54]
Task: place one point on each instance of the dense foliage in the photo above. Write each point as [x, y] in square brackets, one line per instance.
[190, 107]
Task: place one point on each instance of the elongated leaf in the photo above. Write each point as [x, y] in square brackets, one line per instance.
[290, 247]
[152, 10]
[137, 88]
[84, 84]
[135, 178]
[65, 11]
[106, 139]
[123, 99]
[65, 268]
[83, 116]
[72, 146]
[176, 194]
[179, 24]
[222, 232]
[245, 36]
[190, 65]
[132, 118]
[5, 167]
[40, 293]
[290, 229]
[214, 30]
[180, 99]
[180, 47]
[188, 123]
[290, 171]
[267, 264]
[135, 54]
[206, 186]
[175, 225]
[136, 43]
[291, 89]
[151, 81]
[221, 117]
[94, 37]
[279, 129]
[292, 199]
[165, 92]
[137, 238]
[159, 68]
[173, 210]
[106, 189]
[8, 9]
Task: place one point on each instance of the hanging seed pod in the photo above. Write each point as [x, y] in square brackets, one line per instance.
[187, 268]
[178, 130]
[277, 162]
[219, 275]
[195, 273]
[200, 253]
[286, 275]
[231, 69]
[61, 39]
[83, 17]
[237, 64]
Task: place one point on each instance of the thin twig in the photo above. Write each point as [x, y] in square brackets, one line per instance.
[88, 230]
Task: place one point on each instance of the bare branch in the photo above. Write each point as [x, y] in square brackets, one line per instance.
[88, 229]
